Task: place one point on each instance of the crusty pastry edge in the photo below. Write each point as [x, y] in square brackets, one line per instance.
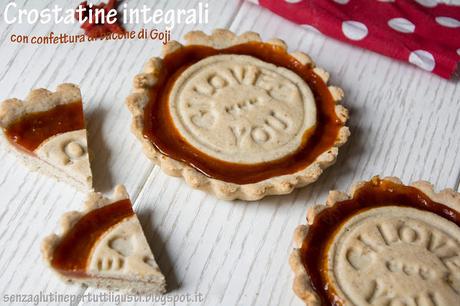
[302, 284]
[38, 100]
[285, 184]
[68, 220]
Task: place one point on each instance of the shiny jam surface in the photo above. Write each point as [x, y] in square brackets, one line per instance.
[375, 193]
[160, 130]
[31, 130]
[72, 254]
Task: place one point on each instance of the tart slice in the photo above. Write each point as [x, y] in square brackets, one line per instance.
[236, 116]
[384, 244]
[47, 132]
[105, 247]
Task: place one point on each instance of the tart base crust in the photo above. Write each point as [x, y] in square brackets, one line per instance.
[285, 184]
[302, 283]
[133, 288]
[40, 166]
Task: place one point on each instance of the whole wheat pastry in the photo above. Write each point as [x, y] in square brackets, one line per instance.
[385, 243]
[104, 246]
[47, 133]
[237, 117]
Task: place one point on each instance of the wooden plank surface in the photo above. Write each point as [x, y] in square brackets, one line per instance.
[31, 204]
[404, 122]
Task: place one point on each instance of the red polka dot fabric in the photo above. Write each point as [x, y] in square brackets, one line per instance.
[422, 32]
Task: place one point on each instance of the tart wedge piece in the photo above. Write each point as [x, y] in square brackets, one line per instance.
[104, 246]
[385, 243]
[47, 133]
[236, 116]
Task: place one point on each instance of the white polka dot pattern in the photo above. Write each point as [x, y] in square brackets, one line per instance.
[422, 59]
[354, 30]
[310, 28]
[401, 25]
[427, 3]
[448, 22]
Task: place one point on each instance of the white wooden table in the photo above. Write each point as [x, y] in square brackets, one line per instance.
[404, 122]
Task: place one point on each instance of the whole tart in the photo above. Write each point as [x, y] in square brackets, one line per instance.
[237, 117]
[47, 132]
[104, 246]
[384, 244]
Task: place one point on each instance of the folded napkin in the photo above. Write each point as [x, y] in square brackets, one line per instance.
[422, 32]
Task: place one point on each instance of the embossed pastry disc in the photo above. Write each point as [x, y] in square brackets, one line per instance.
[236, 116]
[387, 244]
[105, 247]
[240, 109]
[47, 132]
[393, 255]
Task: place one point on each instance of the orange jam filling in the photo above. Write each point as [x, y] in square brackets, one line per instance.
[72, 255]
[31, 130]
[160, 130]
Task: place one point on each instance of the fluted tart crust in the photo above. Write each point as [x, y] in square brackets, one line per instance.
[237, 117]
